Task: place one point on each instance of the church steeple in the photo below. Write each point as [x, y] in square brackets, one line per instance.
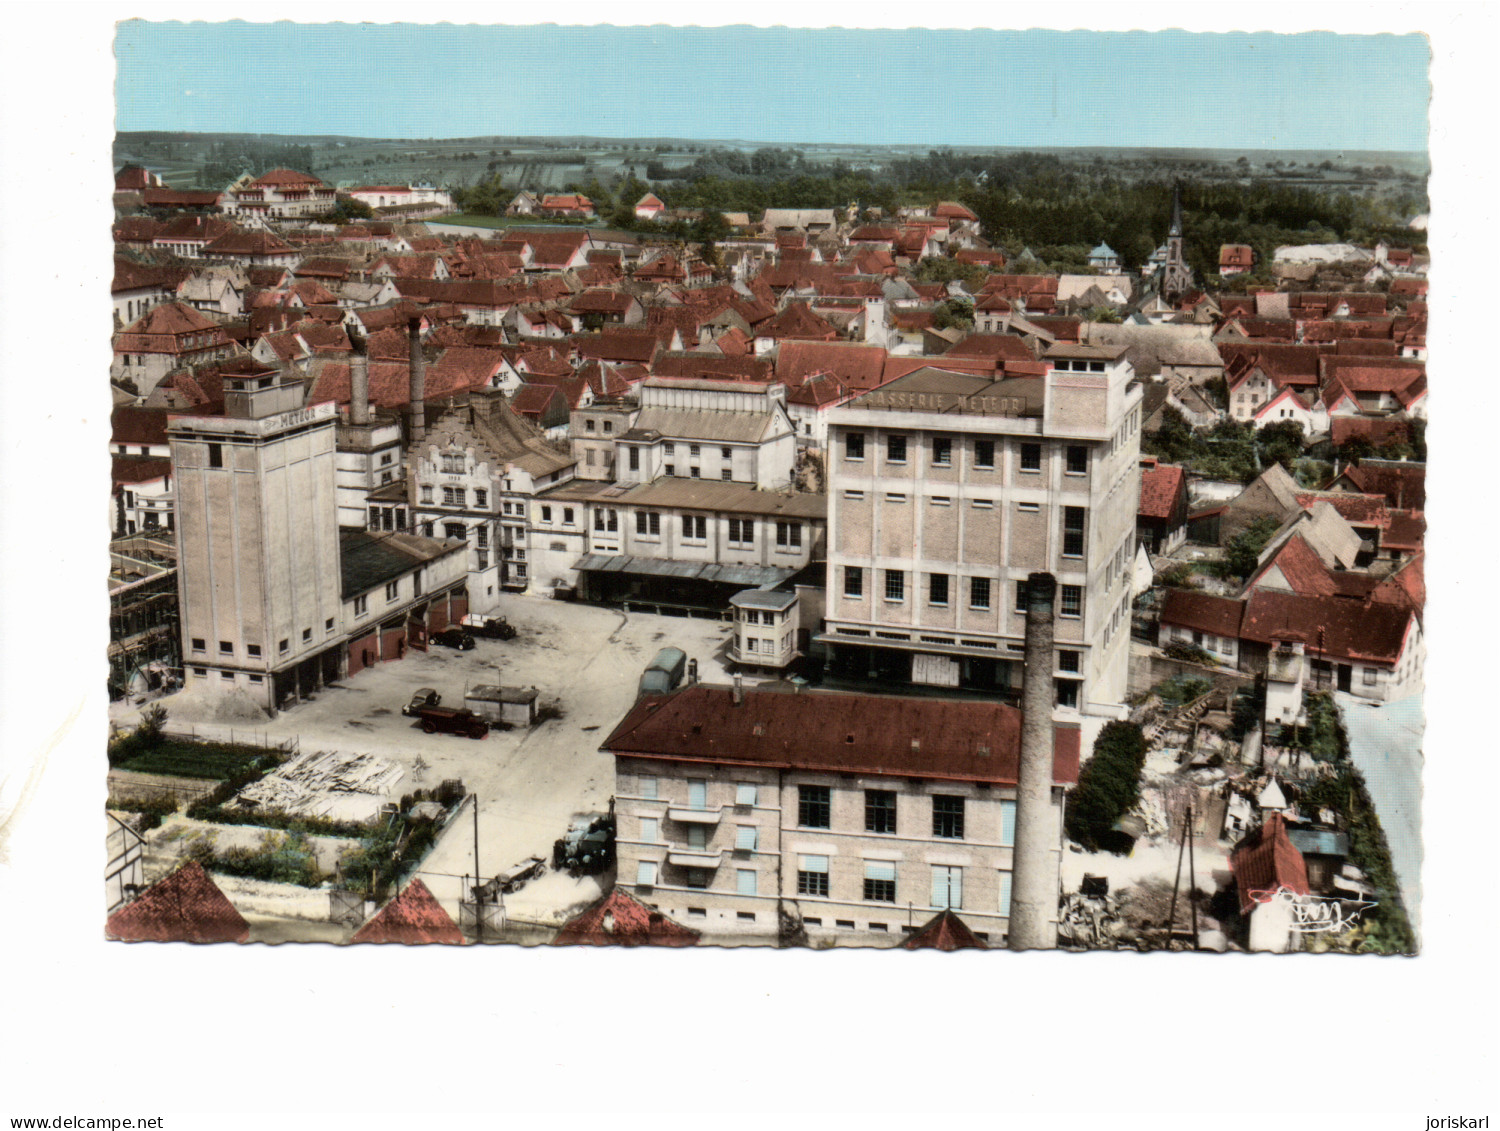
[1176, 277]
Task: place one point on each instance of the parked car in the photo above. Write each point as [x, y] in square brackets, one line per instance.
[422, 697]
[496, 628]
[663, 673]
[451, 720]
[453, 638]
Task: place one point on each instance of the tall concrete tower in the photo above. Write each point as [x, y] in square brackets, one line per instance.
[1033, 904]
[258, 540]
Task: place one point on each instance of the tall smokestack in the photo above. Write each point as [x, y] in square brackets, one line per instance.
[1033, 903]
[359, 389]
[418, 391]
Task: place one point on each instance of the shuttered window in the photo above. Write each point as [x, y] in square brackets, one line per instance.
[645, 873]
[1007, 823]
[880, 881]
[744, 881]
[1005, 893]
[648, 788]
[697, 795]
[947, 887]
[648, 829]
[812, 875]
[745, 837]
[744, 793]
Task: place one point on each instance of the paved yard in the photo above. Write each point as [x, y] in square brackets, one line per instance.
[584, 660]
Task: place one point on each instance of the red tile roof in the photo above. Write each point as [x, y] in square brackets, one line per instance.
[1406, 588]
[945, 931]
[1000, 347]
[180, 198]
[1357, 510]
[1404, 485]
[620, 345]
[1349, 630]
[130, 275]
[286, 177]
[539, 402]
[620, 920]
[1265, 862]
[187, 906]
[1377, 430]
[139, 469]
[248, 244]
[941, 739]
[1163, 489]
[413, 918]
[1221, 616]
[1303, 570]
[1236, 255]
[132, 425]
[951, 210]
[734, 342]
[601, 302]
[818, 390]
[860, 367]
[1406, 531]
[707, 366]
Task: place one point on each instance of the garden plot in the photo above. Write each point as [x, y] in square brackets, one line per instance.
[329, 784]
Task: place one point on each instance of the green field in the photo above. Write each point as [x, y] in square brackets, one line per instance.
[215, 761]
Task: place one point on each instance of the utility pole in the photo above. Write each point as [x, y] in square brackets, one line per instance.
[478, 884]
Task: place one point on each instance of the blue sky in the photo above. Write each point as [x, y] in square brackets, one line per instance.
[1029, 88]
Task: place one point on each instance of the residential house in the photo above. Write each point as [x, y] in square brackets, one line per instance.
[1161, 519]
[137, 287]
[648, 207]
[1235, 259]
[1105, 259]
[1270, 876]
[404, 200]
[251, 249]
[279, 194]
[738, 809]
[187, 236]
[166, 337]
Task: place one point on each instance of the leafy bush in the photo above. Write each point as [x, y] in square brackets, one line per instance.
[1178, 575]
[1183, 688]
[378, 862]
[281, 858]
[1108, 786]
[152, 810]
[1189, 653]
[1241, 553]
[1385, 929]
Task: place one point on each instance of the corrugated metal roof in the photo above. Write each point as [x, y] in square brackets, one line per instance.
[1319, 842]
[694, 424]
[749, 575]
[763, 599]
[367, 561]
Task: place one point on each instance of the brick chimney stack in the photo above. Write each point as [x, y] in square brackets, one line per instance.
[418, 390]
[1033, 904]
[359, 388]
